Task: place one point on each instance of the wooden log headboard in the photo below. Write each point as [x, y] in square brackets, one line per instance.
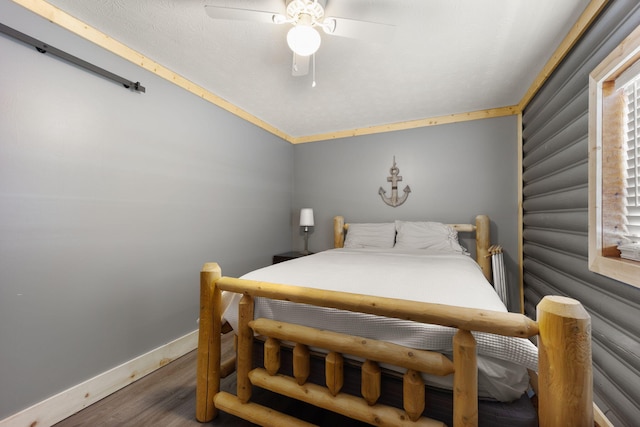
[482, 230]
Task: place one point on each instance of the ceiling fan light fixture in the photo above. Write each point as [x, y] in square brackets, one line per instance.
[304, 40]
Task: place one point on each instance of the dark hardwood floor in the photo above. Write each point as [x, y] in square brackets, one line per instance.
[166, 398]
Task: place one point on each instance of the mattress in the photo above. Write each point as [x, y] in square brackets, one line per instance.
[418, 275]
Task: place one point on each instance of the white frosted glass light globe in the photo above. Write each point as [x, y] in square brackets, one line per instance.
[303, 40]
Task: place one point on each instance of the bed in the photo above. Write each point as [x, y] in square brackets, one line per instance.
[402, 308]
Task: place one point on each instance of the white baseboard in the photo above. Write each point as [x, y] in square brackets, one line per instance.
[64, 404]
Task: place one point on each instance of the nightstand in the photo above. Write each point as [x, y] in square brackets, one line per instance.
[287, 256]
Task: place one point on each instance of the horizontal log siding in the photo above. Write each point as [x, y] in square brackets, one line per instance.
[555, 216]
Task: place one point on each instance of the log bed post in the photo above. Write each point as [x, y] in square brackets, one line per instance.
[565, 379]
[483, 241]
[338, 232]
[245, 348]
[465, 380]
[209, 343]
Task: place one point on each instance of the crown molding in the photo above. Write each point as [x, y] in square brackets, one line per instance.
[432, 121]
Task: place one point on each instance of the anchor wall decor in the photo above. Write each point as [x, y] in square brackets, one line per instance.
[394, 200]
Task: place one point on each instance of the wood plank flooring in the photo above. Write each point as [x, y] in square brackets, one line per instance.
[166, 398]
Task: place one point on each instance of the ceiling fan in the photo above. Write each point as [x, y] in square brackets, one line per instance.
[306, 17]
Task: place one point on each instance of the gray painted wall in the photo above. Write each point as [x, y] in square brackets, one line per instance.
[110, 202]
[455, 172]
[555, 207]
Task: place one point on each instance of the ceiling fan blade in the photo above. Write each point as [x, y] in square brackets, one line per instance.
[300, 66]
[232, 13]
[361, 30]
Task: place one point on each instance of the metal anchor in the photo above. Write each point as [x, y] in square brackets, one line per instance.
[394, 200]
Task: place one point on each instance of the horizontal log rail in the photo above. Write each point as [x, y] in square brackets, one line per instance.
[500, 323]
[345, 404]
[256, 413]
[421, 360]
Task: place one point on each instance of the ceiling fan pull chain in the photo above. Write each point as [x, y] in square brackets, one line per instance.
[313, 83]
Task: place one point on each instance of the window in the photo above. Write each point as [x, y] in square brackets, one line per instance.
[630, 81]
[614, 156]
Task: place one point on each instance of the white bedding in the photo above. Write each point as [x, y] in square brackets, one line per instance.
[418, 275]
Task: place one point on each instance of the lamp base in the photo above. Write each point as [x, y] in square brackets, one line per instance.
[305, 251]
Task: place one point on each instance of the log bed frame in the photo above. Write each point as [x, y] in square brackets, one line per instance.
[563, 328]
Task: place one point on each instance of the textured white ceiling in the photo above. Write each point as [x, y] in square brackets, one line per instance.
[446, 57]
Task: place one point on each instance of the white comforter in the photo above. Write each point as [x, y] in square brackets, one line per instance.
[416, 275]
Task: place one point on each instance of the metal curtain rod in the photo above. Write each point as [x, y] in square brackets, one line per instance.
[45, 48]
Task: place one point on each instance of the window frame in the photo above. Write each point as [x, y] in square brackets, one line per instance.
[619, 60]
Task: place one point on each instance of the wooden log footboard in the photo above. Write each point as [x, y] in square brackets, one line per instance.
[564, 338]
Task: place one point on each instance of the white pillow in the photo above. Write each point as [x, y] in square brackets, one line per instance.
[427, 235]
[374, 235]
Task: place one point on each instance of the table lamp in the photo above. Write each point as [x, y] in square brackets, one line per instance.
[306, 221]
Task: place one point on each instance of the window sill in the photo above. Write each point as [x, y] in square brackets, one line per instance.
[623, 270]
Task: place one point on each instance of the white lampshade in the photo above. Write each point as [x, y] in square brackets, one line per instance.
[306, 217]
[304, 40]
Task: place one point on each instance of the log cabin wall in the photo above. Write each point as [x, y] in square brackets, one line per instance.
[555, 216]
